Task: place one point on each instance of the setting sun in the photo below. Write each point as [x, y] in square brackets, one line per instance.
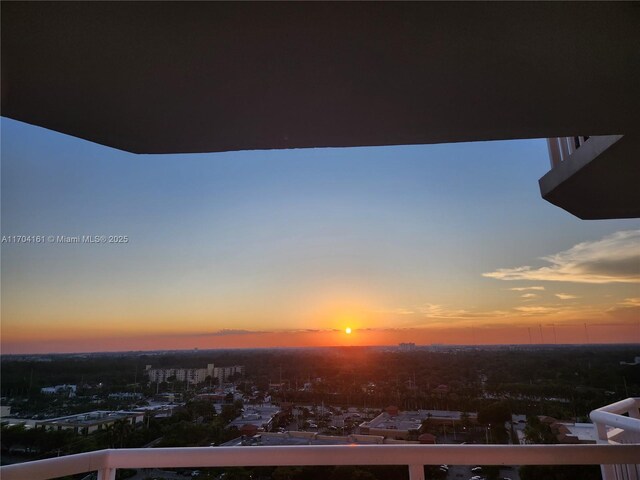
[347, 330]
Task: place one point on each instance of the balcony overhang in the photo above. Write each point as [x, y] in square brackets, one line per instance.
[600, 179]
[168, 77]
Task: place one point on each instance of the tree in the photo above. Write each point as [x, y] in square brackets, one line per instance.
[348, 472]
[427, 425]
[121, 429]
[229, 412]
[287, 473]
[185, 434]
[200, 409]
[560, 472]
[537, 432]
[496, 413]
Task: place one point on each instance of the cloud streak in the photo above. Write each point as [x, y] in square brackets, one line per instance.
[631, 302]
[431, 310]
[613, 259]
[529, 296]
[230, 331]
[532, 311]
[566, 296]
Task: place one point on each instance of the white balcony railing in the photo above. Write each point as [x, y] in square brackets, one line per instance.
[106, 462]
[619, 424]
[561, 147]
[618, 452]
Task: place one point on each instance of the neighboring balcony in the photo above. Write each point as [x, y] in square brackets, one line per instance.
[594, 177]
[617, 452]
[619, 424]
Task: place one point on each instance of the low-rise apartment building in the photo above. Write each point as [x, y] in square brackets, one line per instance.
[192, 376]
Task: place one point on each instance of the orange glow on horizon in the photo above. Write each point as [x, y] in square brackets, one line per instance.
[451, 335]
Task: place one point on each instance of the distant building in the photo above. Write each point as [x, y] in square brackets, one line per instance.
[27, 423]
[168, 397]
[159, 409]
[636, 361]
[216, 398]
[568, 432]
[69, 390]
[441, 390]
[427, 439]
[224, 373]
[400, 425]
[125, 396]
[262, 417]
[192, 376]
[575, 432]
[90, 422]
[407, 347]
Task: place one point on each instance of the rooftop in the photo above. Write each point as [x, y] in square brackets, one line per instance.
[258, 415]
[412, 420]
[90, 418]
[308, 438]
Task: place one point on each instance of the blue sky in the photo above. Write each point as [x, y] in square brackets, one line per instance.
[275, 240]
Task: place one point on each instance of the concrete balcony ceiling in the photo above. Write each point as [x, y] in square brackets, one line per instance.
[169, 77]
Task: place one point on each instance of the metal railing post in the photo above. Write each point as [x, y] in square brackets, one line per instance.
[608, 471]
[554, 151]
[107, 474]
[416, 472]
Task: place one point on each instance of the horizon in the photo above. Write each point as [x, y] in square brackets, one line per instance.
[417, 347]
[446, 243]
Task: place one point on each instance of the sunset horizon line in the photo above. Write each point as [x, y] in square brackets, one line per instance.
[320, 347]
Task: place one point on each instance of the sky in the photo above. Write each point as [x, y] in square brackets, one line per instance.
[446, 243]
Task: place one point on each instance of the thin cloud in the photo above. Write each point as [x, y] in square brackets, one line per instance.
[403, 311]
[531, 310]
[524, 289]
[631, 302]
[566, 296]
[431, 310]
[218, 333]
[399, 311]
[628, 310]
[529, 296]
[613, 259]
[230, 331]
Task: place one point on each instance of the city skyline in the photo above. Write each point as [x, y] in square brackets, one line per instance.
[445, 243]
